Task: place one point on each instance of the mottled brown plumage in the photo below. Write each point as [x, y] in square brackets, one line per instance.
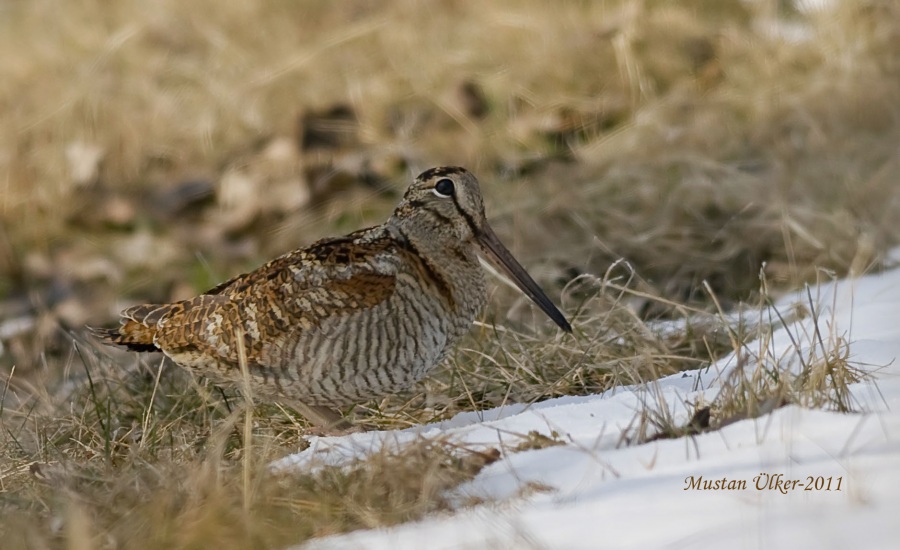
[346, 319]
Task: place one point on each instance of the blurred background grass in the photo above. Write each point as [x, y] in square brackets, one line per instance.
[150, 150]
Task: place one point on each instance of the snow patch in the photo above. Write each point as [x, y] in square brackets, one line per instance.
[597, 492]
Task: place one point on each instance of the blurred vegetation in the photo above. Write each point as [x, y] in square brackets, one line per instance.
[629, 151]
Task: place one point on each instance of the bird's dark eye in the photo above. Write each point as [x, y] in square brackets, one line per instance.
[443, 187]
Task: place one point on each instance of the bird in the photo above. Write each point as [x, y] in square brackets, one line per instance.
[346, 319]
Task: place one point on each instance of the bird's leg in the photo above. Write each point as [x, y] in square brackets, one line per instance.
[325, 420]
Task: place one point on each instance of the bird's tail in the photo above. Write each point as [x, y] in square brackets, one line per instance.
[137, 331]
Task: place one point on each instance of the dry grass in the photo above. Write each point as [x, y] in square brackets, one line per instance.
[638, 156]
[156, 462]
[815, 371]
[763, 374]
[205, 502]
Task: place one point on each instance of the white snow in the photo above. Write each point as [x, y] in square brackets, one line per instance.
[598, 492]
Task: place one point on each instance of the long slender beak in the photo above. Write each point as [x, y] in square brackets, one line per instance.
[503, 260]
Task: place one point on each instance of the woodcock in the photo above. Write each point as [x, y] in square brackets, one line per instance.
[346, 319]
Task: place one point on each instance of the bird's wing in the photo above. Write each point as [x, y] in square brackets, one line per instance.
[294, 292]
